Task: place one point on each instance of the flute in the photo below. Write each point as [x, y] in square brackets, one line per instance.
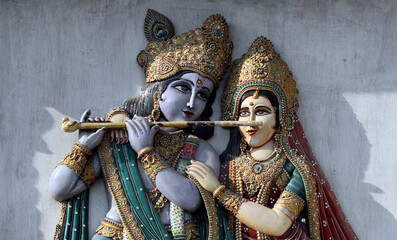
[71, 126]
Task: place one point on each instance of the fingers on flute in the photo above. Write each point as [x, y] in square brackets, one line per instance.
[142, 123]
[112, 135]
[131, 127]
[145, 124]
[123, 135]
[117, 136]
[139, 125]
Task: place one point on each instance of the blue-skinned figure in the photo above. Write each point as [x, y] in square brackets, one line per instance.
[150, 195]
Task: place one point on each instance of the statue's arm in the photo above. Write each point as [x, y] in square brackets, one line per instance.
[277, 220]
[64, 182]
[273, 221]
[179, 189]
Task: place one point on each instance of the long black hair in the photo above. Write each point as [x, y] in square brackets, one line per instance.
[233, 147]
[143, 104]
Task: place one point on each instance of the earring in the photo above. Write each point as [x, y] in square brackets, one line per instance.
[155, 115]
[243, 146]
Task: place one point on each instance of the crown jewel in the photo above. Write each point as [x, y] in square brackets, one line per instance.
[205, 50]
[261, 68]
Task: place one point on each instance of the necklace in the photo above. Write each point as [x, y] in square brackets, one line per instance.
[256, 173]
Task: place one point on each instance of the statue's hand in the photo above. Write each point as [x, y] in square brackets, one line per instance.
[204, 175]
[94, 139]
[140, 134]
[118, 135]
[87, 138]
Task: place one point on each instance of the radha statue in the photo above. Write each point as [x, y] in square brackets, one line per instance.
[151, 196]
[272, 185]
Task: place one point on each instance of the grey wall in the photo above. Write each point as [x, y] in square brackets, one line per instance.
[58, 58]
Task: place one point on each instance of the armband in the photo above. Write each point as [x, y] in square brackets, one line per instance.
[290, 204]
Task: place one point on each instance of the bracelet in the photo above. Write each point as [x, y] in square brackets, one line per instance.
[161, 199]
[144, 151]
[153, 163]
[82, 148]
[218, 191]
[230, 200]
[76, 158]
[88, 176]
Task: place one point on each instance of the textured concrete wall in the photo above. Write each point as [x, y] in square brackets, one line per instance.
[58, 58]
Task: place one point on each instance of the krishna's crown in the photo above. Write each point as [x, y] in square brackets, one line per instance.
[261, 68]
[206, 50]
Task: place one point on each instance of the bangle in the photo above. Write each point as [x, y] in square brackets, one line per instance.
[76, 158]
[230, 200]
[144, 151]
[88, 176]
[82, 148]
[219, 190]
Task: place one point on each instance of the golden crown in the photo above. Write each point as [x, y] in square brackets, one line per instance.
[261, 68]
[206, 50]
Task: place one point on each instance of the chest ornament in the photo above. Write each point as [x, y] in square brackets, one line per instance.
[255, 173]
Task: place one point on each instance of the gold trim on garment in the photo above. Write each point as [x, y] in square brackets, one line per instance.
[110, 229]
[310, 185]
[109, 172]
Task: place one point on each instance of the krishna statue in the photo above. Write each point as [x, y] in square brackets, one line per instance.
[150, 194]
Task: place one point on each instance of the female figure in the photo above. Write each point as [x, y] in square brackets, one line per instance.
[151, 197]
[272, 186]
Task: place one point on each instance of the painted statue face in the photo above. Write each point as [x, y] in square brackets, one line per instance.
[259, 109]
[185, 98]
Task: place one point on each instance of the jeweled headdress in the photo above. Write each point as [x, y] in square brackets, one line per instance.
[261, 68]
[206, 50]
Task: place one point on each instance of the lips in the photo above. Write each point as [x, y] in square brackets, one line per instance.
[251, 132]
[188, 114]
